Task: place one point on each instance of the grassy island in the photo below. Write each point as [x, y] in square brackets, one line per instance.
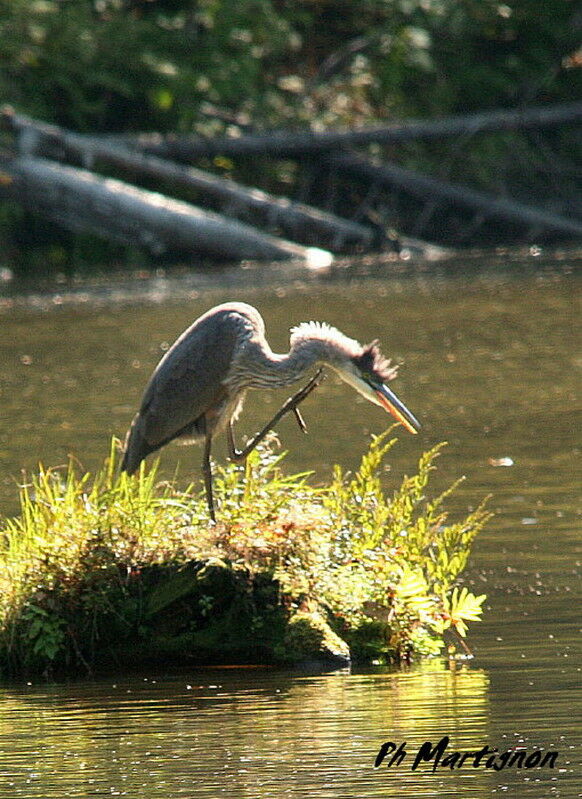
[114, 572]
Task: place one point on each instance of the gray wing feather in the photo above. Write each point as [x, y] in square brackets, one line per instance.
[187, 382]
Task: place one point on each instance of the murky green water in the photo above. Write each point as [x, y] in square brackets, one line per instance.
[257, 734]
[493, 364]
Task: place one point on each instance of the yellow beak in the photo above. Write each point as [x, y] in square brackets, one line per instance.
[390, 402]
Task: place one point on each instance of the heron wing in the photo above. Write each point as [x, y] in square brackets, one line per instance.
[187, 384]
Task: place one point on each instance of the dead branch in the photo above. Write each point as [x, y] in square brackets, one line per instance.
[296, 220]
[79, 200]
[289, 144]
[431, 188]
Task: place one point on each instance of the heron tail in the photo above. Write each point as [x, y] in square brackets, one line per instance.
[136, 447]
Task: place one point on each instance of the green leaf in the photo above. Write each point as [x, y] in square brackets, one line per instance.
[464, 606]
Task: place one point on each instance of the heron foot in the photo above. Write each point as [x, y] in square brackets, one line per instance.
[291, 404]
[301, 395]
[300, 420]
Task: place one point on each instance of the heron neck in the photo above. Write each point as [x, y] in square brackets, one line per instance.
[271, 370]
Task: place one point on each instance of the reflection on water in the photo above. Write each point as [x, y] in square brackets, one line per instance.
[255, 735]
[264, 734]
[493, 365]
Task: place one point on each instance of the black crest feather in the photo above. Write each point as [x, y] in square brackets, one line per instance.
[373, 364]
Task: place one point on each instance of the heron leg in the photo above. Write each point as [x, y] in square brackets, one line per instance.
[207, 472]
[290, 405]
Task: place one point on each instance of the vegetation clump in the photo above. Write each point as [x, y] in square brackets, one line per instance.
[117, 570]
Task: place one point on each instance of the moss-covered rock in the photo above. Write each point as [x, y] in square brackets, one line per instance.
[210, 613]
[203, 613]
[310, 639]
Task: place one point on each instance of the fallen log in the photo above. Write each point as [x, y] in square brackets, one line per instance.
[79, 200]
[289, 144]
[431, 188]
[296, 220]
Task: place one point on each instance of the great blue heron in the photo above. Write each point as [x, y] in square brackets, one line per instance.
[198, 387]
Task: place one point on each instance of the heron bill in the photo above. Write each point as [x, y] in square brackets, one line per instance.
[390, 402]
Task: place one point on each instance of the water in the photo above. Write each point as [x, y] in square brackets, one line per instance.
[267, 734]
[493, 365]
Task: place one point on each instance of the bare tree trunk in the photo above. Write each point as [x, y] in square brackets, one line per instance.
[80, 200]
[427, 187]
[296, 220]
[288, 144]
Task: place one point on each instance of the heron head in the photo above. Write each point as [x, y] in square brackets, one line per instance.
[368, 372]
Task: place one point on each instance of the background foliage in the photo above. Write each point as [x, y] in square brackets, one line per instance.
[202, 66]
[112, 65]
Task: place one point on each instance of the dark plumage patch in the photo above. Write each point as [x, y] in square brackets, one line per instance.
[372, 364]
